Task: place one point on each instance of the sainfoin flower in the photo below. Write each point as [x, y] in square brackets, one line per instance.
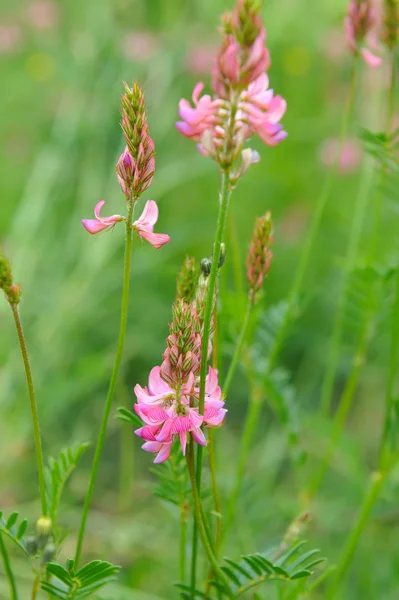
[243, 104]
[360, 24]
[170, 412]
[100, 223]
[144, 224]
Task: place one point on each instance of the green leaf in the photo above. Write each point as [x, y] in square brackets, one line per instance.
[263, 570]
[58, 473]
[13, 532]
[129, 417]
[83, 583]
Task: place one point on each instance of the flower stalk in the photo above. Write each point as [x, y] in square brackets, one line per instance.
[113, 380]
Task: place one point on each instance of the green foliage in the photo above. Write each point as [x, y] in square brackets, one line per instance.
[173, 485]
[58, 473]
[255, 569]
[75, 585]
[384, 148]
[277, 382]
[15, 531]
[129, 417]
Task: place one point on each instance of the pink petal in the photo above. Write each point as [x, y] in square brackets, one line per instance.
[183, 441]
[152, 446]
[199, 437]
[145, 397]
[156, 384]
[157, 240]
[93, 226]
[197, 91]
[371, 59]
[149, 215]
[163, 454]
[165, 434]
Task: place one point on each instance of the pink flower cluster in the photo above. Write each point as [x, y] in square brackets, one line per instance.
[360, 31]
[243, 104]
[168, 412]
[144, 224]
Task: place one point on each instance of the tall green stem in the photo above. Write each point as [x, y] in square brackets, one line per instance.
[199, 519]
[239, 345]
[33, 408]
[376, 482]
[113, 380]
[314, 229]
[8, 570]
[215, 490]
[224, 201]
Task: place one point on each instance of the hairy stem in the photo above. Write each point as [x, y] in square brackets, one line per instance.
[200, 523]
[33, 408]
[8, 570]
[113, 380]
[224, 201]
[215, 490]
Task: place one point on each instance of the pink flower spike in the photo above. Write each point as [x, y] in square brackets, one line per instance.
[145, 225]
[100, 223]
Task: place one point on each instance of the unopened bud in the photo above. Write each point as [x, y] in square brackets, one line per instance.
[5, 273]
[260, 254]
[188, 279]
[32, 546]
[206, 266]
[48, 552]
[44, 526]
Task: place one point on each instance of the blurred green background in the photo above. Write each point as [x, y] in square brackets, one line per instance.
[62, 67]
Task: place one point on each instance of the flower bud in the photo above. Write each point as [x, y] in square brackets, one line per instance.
[136, 166]
[32, 545]
[44, 528]
[206, 266]
[187, 280]
[48, 552]
[260, 254]
[5, 273]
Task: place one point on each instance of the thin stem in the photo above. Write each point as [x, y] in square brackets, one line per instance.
[35, 587]
[199, 519]
[183, 540]
[8, 570]
[377, 479]
[224, 200]
[215, 491]
[33, 408]
[251, 421]
[113, 380]
[350, 262]
[239, 345]
[314, 228]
